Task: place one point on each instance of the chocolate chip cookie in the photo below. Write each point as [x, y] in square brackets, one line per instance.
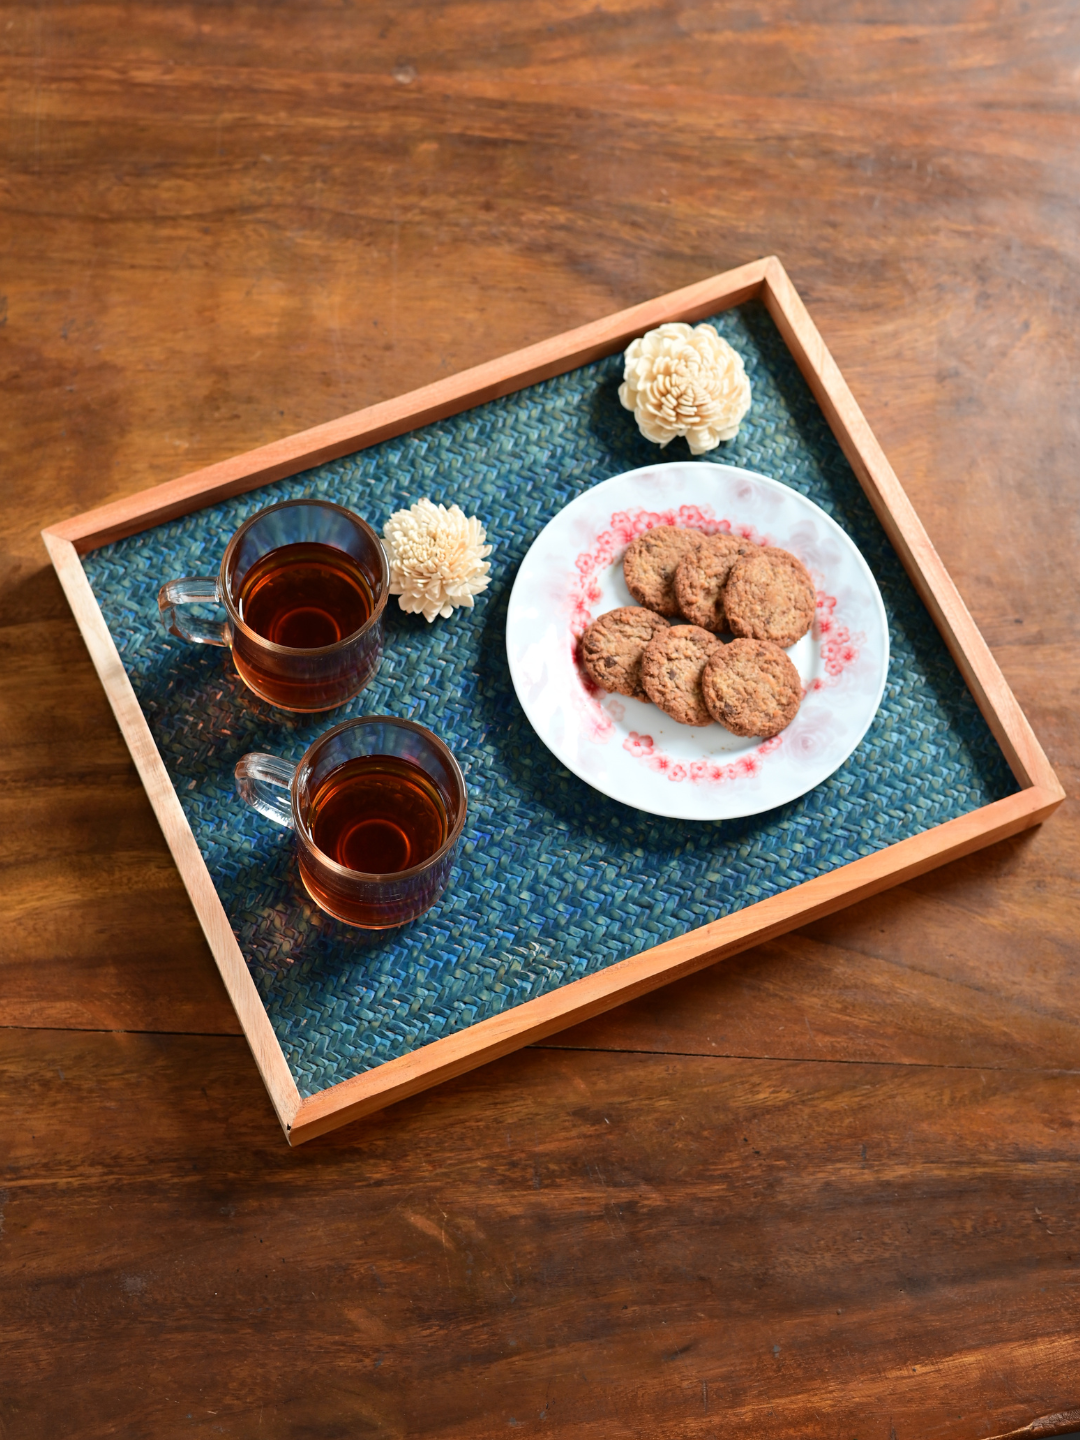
[671, 672]
[769, 596]
[751, 688]
[612, 646]
[701, 577]
[650, 564]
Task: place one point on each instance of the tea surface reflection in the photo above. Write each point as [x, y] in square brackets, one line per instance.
[379, 814]
[305, 596]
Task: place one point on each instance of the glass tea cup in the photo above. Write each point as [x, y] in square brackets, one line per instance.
[378, 806]
[304, 585]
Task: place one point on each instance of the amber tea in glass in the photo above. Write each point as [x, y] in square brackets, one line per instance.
[378, 806]
[378, 815]
[304, 585]
[305, 596]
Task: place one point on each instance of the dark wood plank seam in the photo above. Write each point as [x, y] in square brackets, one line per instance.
[603, 1050]
[113, 1030]
[805, 1059]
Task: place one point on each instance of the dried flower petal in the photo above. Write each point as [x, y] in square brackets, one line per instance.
[687, 381]
[436, 558]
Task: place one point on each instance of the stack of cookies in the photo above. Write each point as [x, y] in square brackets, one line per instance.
[761, 595]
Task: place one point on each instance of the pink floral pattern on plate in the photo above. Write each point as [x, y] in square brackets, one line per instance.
[629, 749]
[642, 748]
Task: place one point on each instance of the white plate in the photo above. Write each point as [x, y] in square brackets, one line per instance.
[631, 750]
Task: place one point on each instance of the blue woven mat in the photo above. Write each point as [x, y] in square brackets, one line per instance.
[554, 881]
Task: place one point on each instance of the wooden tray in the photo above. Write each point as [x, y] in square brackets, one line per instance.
[1039, 793]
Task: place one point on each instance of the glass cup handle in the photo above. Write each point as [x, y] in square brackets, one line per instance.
[194, 590]
[264, 782]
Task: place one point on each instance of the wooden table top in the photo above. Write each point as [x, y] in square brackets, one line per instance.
[827, 1189]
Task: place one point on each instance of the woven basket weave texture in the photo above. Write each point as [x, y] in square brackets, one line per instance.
[554, 881]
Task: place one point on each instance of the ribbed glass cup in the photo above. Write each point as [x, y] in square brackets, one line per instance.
[286, 793]
[297, 679]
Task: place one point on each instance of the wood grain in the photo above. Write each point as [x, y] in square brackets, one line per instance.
[636, 975]
[245, 998]
[83, 861]
[606, 1243]
[1060, 1423]
[502, 376]
[221, 225]
[904, 528]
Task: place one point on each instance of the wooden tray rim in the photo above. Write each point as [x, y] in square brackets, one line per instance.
[766, 279]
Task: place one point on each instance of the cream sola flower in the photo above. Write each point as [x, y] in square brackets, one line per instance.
[687, 381]
[436, 558]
